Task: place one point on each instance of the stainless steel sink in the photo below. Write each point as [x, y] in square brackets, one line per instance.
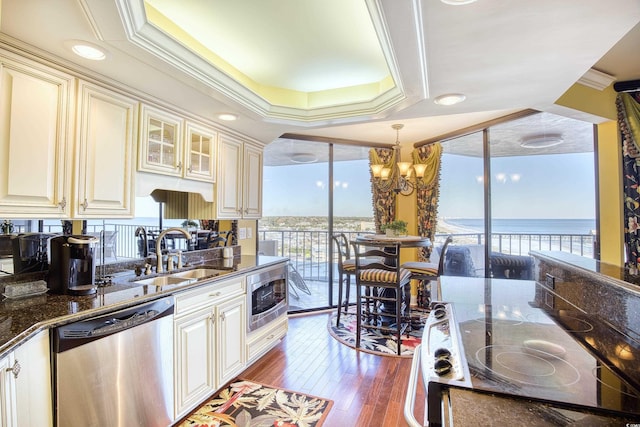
[164, 281]
[197, 274]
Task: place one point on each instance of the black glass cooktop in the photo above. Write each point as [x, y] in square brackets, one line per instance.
[518, 344]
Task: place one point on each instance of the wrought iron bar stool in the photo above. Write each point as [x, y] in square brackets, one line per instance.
[346, 268]
[426, 272]
[387, 290]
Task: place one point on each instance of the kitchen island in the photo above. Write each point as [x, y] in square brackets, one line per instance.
[517, 349]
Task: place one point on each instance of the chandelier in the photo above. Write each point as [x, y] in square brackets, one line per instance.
[394, 175]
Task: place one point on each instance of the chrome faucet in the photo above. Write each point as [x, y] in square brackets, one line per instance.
[159, 267]
[145, 248]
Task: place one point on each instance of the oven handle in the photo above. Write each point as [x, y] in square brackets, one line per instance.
[410, 400]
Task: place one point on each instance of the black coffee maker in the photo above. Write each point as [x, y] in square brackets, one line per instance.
[72, 264]
[30, 252]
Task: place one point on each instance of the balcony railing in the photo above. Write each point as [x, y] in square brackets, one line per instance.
[308, 250]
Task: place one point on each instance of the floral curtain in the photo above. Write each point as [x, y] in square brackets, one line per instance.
[628, 105]
[384, 202]
[428, 192]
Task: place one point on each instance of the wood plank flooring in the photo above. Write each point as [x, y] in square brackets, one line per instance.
[367, 390]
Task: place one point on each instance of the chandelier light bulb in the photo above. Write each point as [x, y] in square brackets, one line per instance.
[385, 173]
[404, 168]
[420, 169]
[377, 170]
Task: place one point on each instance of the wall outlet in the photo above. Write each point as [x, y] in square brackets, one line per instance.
[242, 233]
[249, 233]
[550, 281]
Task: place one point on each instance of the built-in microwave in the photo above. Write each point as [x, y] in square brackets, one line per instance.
[266, 296]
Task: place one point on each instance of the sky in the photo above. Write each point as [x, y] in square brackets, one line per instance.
[549, 186]
[544, 186]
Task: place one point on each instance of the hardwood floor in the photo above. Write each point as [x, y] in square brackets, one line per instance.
[366, 390]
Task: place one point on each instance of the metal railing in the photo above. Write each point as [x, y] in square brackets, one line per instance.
[308, 250]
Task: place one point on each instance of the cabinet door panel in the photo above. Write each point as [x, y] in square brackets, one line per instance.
[106, 133]
[231, 341]
[33, 155]
[160, 142]
[33, 397]
[195, 375]
[8, 416]
[229, 184]
[200, 145]
[252, 203]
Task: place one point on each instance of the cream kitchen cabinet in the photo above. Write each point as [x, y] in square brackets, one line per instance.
[199, 154]
[36, 121]
[106, 130]
[239, 186]
[264, 339]
[194, 357]
[8, 411]
[209, 341]
[160, 142]
[25, 385]
[230, 334]
[164, 149]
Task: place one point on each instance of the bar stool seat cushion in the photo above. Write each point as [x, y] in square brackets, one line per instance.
[384, 276]
[422, 268]
[349, 265]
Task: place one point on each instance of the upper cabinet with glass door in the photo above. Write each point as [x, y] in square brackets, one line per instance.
[199, 153]
[164, 149]
[160, 144]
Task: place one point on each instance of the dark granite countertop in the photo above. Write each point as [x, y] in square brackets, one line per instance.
[620, 276]
[22, 318]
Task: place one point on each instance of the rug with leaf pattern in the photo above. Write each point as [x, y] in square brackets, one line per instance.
[377, 342]
[250, 404]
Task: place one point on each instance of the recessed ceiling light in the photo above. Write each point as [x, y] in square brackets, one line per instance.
[449, 99]
[457, 2]
[303, 158]
[227, 117]
[87, 50]
[541, 141]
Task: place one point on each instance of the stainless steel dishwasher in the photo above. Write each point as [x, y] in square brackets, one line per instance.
[117, 369]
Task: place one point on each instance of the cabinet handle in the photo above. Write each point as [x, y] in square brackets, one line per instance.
[63, 203]
[15, 369]
[215, 294]
[222, 316]
[179, 165]
[213, 319]
[270, 337]
[85, 204]
[190, 168]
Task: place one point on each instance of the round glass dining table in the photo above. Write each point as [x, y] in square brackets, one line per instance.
[404, 241]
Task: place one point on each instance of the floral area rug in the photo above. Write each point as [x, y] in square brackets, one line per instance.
[375, 341]
[249, 404]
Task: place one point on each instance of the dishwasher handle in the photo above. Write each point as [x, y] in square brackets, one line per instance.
[72, 335]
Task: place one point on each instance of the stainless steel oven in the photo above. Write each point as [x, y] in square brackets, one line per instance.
[266, 296]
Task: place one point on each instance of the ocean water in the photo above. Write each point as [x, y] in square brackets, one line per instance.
[534, 226]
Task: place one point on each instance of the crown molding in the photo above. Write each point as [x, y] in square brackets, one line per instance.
[596, 79]
[146, 36]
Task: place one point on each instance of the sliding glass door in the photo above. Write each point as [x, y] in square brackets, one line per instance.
[312, 190]
[461, 208]
[517, 186]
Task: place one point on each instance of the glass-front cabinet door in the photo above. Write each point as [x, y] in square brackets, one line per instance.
[200, 152]
[160, 142]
